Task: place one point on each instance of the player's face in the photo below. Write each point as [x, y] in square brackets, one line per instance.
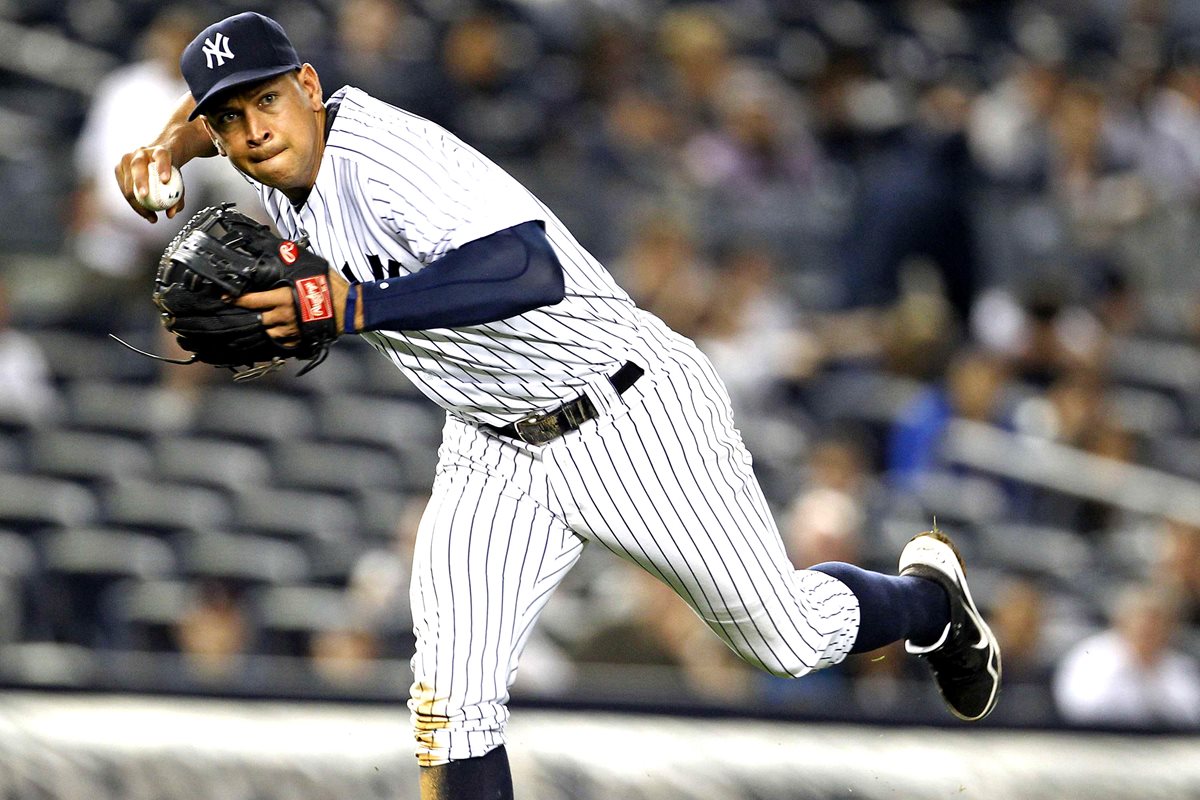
[272, 131]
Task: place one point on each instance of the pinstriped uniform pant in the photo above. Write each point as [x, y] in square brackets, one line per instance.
[661, 479]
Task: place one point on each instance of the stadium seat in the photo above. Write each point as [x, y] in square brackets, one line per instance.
[293, 514]
[161, 507]
[74, 356]
[85, 456]
[213, 463]
[252, 414]
[966, 499]
[239, 558]
[332, 561]
[341, 372]
[30, 502]
[132, 410]
[1179, 455]
[302, 607]
[80, 563]
[19, 576]
[381, 511]
[50, 664]
[1145, 411]
[334, 467]
[399, 424]
[142, 613]
[1056, 553]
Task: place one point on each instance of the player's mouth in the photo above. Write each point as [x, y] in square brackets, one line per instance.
[262, 157]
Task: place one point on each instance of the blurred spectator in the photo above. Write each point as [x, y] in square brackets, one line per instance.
[1129, 675]
[918, 331]
[756, 166]
[840, 460]
[1018, 621]
[489, 98]
[1075, 410]
[344, 657]
[663, 632]
[26, 389]
[1009, 124]
[823, 525]
[1093, 169]
[974, 389]
[386, 50]
[129, 109]
[695, 44]
[1042, 332]
[214, 634]
[915, 202]
[752, 332]
[664, 274]
[1178, 562]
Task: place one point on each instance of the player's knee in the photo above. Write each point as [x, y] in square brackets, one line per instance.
[446, 731]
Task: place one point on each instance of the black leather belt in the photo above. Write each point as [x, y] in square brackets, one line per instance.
[543, 428]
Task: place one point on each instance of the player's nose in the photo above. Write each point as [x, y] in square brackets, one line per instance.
[257, 131]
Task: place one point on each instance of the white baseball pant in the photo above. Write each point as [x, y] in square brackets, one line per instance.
[662, 479]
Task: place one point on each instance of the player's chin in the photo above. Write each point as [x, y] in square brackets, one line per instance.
[277, 171]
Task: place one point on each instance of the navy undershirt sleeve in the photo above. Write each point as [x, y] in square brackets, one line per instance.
[492, 278]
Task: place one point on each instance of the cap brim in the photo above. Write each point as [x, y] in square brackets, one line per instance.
[239, 79]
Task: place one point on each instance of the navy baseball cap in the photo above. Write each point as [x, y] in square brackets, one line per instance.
[238, 50]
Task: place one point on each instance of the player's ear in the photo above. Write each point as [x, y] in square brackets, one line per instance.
[310, 82]
[216, 142]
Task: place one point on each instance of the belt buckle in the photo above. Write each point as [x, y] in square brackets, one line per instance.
[538, 430]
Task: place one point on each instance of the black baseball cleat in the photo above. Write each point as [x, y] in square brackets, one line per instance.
[966, 658]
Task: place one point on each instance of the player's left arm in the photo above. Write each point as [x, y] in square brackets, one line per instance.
[495, 277]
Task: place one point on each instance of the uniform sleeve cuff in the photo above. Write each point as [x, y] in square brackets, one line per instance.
[351, 309]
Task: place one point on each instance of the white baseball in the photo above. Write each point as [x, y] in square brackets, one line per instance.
[163, 195]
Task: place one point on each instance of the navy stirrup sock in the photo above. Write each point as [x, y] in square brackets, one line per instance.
[484, 778]
[892, 607]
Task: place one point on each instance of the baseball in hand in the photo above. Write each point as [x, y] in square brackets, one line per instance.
[163, 195]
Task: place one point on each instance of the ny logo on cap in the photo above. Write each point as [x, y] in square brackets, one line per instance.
[216, 48]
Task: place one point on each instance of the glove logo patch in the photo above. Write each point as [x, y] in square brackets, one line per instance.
[314, 298]
[288, 252]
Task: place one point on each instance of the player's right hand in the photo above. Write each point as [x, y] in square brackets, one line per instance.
[133, 176]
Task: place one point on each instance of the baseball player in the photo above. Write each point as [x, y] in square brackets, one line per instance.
[572, 416]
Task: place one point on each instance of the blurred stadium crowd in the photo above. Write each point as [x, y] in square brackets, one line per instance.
[945, 253]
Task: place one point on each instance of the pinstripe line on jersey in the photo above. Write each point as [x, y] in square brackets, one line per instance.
[352, 231]
[475, 637]
[735, 510]
[723, 522]
[504, 595]
[683, 527]
[646, 562]
[457, 635]
[525, 609]
[701, 527]
[429, 662]
[335, 146]
[714, 388]
[739, 485]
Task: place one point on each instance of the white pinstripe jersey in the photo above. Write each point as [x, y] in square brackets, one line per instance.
[395, 192]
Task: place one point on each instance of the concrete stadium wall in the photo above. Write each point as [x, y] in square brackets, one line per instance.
[77, 747]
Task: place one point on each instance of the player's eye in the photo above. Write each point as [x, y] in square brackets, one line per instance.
[268, 98]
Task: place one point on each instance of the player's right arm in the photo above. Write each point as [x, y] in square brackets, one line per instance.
[179, 142]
